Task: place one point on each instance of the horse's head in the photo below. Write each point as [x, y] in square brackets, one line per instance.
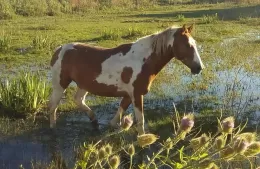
[186, 51]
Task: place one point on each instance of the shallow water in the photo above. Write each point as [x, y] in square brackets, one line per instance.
[43, 144]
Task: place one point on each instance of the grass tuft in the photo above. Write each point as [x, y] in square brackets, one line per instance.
[24, 95]
[210, 18]
[5, 42]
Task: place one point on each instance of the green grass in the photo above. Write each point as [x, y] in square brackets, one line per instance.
[24, 95]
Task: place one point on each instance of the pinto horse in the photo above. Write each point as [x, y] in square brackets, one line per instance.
[126, 71]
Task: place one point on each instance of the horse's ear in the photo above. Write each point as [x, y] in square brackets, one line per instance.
[184, 27]
[190, 28]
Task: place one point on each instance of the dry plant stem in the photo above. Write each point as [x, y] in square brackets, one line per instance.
[131, 161]
[204, 158]
[176, 140]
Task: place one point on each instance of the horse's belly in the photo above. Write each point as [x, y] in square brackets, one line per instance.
[102, 89]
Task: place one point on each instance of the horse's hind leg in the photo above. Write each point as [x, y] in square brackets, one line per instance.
[124, 104]
[80, 101]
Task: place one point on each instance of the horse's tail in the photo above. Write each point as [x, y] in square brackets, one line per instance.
[55, 56]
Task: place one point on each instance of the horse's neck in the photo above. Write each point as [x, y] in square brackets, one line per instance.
[154, 62]
[157, 63]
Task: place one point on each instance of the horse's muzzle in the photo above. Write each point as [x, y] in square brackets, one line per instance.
[196, 70]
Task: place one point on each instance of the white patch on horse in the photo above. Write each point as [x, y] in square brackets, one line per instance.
[115, 64]
[196, 58]
[56, 68]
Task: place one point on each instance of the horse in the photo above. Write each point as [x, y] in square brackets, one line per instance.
[125, 71]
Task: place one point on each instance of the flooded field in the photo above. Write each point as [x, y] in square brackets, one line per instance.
[229, 85]
[234, 89]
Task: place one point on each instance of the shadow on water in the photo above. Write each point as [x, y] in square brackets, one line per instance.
[225, 14]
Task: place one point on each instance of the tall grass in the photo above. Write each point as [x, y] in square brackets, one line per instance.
[5, 42]
[6, 10]
[24, 95]
[42, 42]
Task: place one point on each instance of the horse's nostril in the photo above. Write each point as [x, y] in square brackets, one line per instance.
[199, 68]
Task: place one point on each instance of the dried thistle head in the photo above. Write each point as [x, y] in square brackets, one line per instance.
[253, 149]
[227, 153]
[108, 149]
[219, 142]
[131, 150]
[201, 141]
[102, 153]
[187, 122]
[227, 125]
[240, 146]
[146, 139]
[247, 136]
[114, 161]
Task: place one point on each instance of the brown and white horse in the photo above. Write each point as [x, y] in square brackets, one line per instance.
[125, 71]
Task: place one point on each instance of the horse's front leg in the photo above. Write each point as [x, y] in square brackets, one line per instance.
[139, 115]
[124, 104]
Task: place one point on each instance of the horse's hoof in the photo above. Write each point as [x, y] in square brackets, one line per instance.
[95, 124]
[52, 125]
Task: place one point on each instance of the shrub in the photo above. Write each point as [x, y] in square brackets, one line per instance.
[30, 7]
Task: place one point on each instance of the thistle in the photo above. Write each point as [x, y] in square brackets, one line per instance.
[227, 153]
[253, 149]
[102, 153]
[131, 150]
[198, 142]
[227, 125]
[114, 161]
[249, 137]
[146, 139]
[240, 146]
[219, 142]
[108, 149]
[187, 122]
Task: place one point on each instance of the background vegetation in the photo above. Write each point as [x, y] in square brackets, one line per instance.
[11, 8]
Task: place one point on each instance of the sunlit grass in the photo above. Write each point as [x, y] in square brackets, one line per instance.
[24, 95]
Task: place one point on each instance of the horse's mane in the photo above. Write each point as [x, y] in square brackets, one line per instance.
[160, 40]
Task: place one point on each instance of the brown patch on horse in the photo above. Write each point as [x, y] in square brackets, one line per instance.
[182, 49]
[55, 56]
[150, 69]
[126, 74]
[83, 64]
